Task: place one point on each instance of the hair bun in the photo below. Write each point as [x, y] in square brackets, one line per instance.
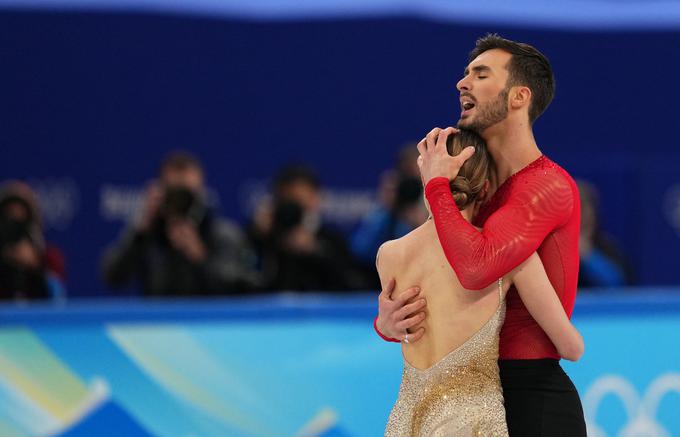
[462, 192]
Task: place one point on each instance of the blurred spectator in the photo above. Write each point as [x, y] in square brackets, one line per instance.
[602, 263]
[297, 250]
[179, 246]
[402, 209]
[29, 267]
[406, 166]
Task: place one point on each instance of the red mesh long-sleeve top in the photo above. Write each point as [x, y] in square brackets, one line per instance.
[536, 209]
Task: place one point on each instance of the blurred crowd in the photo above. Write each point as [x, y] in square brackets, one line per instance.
[179, 245]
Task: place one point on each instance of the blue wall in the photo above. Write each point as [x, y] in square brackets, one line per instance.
[94, 100]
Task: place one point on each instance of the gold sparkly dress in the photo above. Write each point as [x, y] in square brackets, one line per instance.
[460, 395]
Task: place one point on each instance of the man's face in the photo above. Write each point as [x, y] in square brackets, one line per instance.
[190, 177]
[17, 211]
[483, 92]
[304, 194]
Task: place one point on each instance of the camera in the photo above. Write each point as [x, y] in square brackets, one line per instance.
[288, 214]
[409, 191]
[182, 202]
[13, 231]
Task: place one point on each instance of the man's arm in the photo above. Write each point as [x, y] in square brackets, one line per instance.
[540, 299]
[396, 316]
[123, 260]
[541, 203]
[230, 263]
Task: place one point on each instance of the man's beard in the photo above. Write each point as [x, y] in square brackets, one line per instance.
[489, 114]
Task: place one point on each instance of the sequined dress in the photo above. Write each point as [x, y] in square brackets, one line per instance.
[460, 395]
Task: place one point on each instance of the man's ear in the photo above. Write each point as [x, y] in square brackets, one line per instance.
[520, 96]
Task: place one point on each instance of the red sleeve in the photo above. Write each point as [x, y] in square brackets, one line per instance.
[540, 202]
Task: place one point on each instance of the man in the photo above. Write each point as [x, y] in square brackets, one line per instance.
[401, 210]
[179, 246]
[535, 208]
[298, 251]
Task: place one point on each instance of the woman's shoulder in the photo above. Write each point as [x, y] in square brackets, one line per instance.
[390, 251]
[395, 251]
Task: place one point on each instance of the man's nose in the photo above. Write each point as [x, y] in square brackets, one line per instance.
[463, 85]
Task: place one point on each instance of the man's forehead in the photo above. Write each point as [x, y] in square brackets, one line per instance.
[494, 58]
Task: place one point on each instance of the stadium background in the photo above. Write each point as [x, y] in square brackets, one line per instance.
[94, 93]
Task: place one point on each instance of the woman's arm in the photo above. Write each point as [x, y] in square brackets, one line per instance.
[540, 299]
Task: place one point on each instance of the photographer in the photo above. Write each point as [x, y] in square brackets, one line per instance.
[178, 246]
[405, 212]
[401, 210]
[297, 250]
[602, 263]
[29, 268]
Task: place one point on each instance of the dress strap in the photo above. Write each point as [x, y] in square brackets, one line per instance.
[500, 289]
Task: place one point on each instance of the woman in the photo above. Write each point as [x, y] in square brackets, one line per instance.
[450, 384]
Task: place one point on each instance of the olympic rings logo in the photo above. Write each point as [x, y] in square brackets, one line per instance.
[641, 411]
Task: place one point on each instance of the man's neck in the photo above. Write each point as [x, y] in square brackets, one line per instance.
[512, 147]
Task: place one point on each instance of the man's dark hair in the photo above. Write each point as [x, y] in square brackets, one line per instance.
[291, 174]
[180, 160]
[527, 67]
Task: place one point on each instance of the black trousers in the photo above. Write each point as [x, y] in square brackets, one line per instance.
[540, 399]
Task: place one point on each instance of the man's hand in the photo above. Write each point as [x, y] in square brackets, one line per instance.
[435, 161]
[300, 240]
[397, 316]
[24, 254]
[184, 237]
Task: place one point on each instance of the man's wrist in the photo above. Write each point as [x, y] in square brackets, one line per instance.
[384, 337]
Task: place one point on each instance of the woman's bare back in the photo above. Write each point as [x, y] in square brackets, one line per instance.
[454, 314]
